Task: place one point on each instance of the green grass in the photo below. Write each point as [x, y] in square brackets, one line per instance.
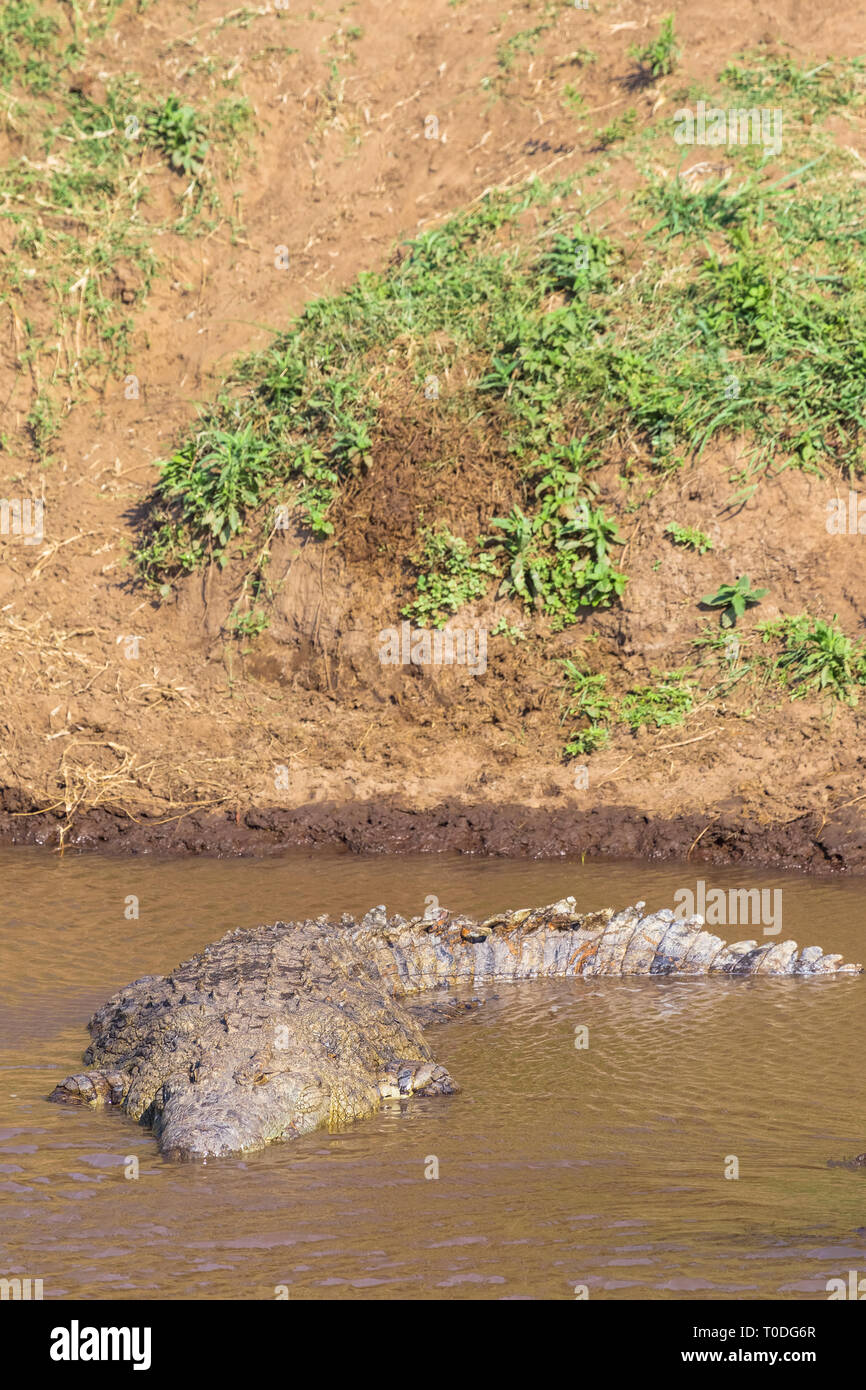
[660, 57]
[660, 706]
[618, 129]
[590, 710]
[450, 575]
[588, 706]
[28, 38]
[303, 428]
[820, 88]
[689, 537]
[312, 398]
[75, 198]
[776, 304]
[808, 657]
[689, 212]
[525, 41]
[735, 311]
[573, 99]
[816, 658]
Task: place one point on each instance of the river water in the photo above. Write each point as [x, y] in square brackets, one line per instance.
[559, 1168]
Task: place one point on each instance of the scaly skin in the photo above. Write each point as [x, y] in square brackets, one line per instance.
[276, 1031]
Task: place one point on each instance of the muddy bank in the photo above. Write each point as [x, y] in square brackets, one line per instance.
[838, 845]
[142, 721]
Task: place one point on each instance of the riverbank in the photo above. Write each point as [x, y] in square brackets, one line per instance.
[817, 843]
[515, 367]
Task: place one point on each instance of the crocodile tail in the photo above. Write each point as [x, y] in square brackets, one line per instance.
[665, 944]
[446, 950]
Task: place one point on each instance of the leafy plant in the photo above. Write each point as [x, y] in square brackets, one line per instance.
[352, 445]
[734, 599]
[504, 629]
[578, 262]
[591, 530]
[661, 705]
[249, 624]
[817, 657]
[178, 131]
[660, 57]
[525, 41]
[217, 478]
[43, 420]
[450, 576]
[573, 99]
[688, 536]
[586, 700]
[559, 566]
[617, 129]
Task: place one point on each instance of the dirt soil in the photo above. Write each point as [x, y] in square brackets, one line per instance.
[188, 740]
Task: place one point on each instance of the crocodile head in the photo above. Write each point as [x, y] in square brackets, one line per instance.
[223, 1113]
[231, 1114]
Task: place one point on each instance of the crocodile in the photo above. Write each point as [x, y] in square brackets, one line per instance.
[277, 1030]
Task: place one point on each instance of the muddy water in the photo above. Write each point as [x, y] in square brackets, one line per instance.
[557, 1167]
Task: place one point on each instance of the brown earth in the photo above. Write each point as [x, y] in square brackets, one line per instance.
[301, 736]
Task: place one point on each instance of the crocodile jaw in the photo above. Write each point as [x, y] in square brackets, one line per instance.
[218, 1117]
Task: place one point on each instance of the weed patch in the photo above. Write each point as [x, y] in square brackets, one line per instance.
[586, 704]
[689, 537]
[75, 198]
[450, 575]
[661, 705]
[816, 658]
[661, 56]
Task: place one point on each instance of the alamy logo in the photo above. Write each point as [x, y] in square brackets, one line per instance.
[736, 907]
[846, 519]
[856, 1287]
[22, 516]
[448, 646]
[20, 1288]
[739, 126]
[76, 1343]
